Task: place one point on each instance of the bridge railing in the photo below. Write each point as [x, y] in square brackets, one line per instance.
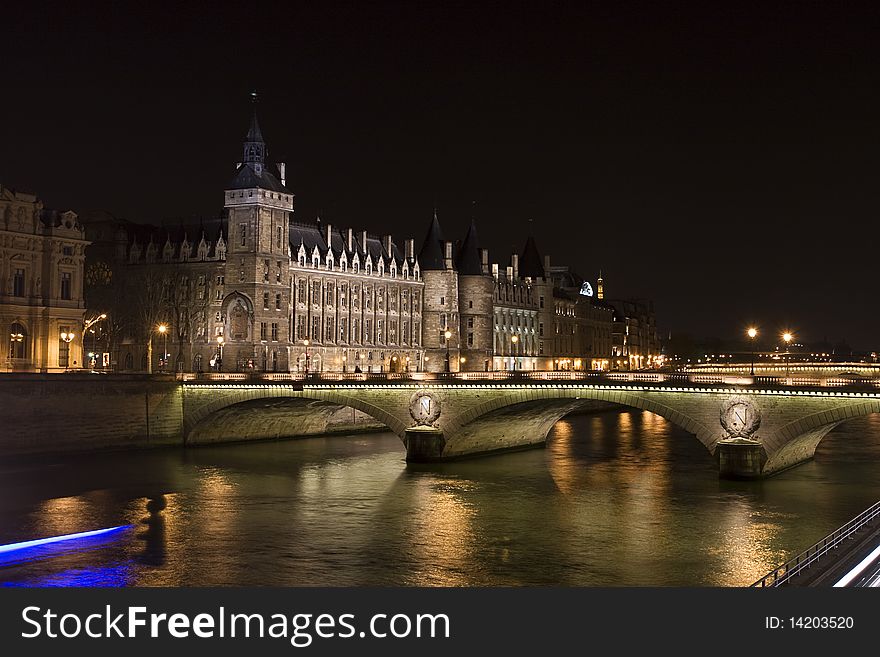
[530, 375]
[803, 561]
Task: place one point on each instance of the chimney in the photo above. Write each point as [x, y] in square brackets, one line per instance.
[281, 169]
[448, 248]
[386, 244]
[495, 270]
[364, 241]
[329, 236]
[510, 274]
[350, 240]
[547, 266]
[514, 265]
[484, 260]
[409, 249]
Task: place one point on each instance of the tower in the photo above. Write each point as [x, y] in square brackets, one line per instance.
[255, 308]
[600, 290]
[475, 288]
[440, 308]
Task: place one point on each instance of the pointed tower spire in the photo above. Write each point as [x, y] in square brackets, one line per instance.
[431, 256]
[468, 261]
[254, 145]
[600, 289]
[531, 264]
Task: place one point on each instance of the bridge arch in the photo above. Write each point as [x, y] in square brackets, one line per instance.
[554, 402]
[198, 410]
[797, 440]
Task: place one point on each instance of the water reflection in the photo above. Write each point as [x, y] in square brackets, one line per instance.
[620, 498]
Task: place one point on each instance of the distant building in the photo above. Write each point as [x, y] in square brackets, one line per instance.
[41, 284]
[635, 344]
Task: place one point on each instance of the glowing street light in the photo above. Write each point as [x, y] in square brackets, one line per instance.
[163, 329]
[515, 340]
[753, 333]
[447, 335]
[220, 341]
[306, 343]
[787, 337]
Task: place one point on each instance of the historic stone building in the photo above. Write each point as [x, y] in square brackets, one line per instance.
[255, 290]
[41, 284]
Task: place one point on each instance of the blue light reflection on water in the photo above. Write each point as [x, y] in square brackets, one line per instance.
[46, 548]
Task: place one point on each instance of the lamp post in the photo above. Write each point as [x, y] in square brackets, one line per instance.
[163, 329]
[787, 337]
[68, 338]
[87, 326]
[306, 343]
[515, 341]
[220, 341]
[344, 358]
[447, 335]
[753, 333]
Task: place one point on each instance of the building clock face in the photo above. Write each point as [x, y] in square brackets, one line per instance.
[740, 418]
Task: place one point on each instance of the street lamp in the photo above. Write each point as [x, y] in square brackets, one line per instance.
[787, 337]
[515, 341]
[447, 335]
[163, 329]
[87, 327]
[220, 341]
[344, 358]
[753, 333]
[306, 343]
[67, 337]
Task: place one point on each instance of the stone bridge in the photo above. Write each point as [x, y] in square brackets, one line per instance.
[752, 430]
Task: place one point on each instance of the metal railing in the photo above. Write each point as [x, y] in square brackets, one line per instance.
[812, 554]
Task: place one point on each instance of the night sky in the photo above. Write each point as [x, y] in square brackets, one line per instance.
[723, 164]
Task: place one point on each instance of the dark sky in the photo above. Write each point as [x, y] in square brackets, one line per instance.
[723, 162]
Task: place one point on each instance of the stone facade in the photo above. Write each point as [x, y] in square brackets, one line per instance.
[254, 290]
[42, 253]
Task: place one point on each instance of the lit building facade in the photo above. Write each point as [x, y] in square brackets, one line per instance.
[42, 253]
[255, 290]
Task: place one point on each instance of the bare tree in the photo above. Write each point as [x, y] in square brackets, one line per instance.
[151, 293]
[189, 304]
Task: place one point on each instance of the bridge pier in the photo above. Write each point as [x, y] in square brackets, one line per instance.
[424, 444]
[740, 459]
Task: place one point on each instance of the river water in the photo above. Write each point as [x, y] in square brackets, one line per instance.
[616, 498]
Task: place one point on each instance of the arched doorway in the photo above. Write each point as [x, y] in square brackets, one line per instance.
[395, 363]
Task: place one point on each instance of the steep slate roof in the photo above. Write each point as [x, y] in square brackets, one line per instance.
[252, 172]
[311, 235]
[247, 178]
[431, 256]
[468, 261]
[530, 263]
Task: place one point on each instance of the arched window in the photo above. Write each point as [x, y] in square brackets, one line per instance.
[17, 341]
[129, 361]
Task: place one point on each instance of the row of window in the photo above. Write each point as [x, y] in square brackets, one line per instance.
[357, 296]
[19, 287]
[356, 265]
[345, 331]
